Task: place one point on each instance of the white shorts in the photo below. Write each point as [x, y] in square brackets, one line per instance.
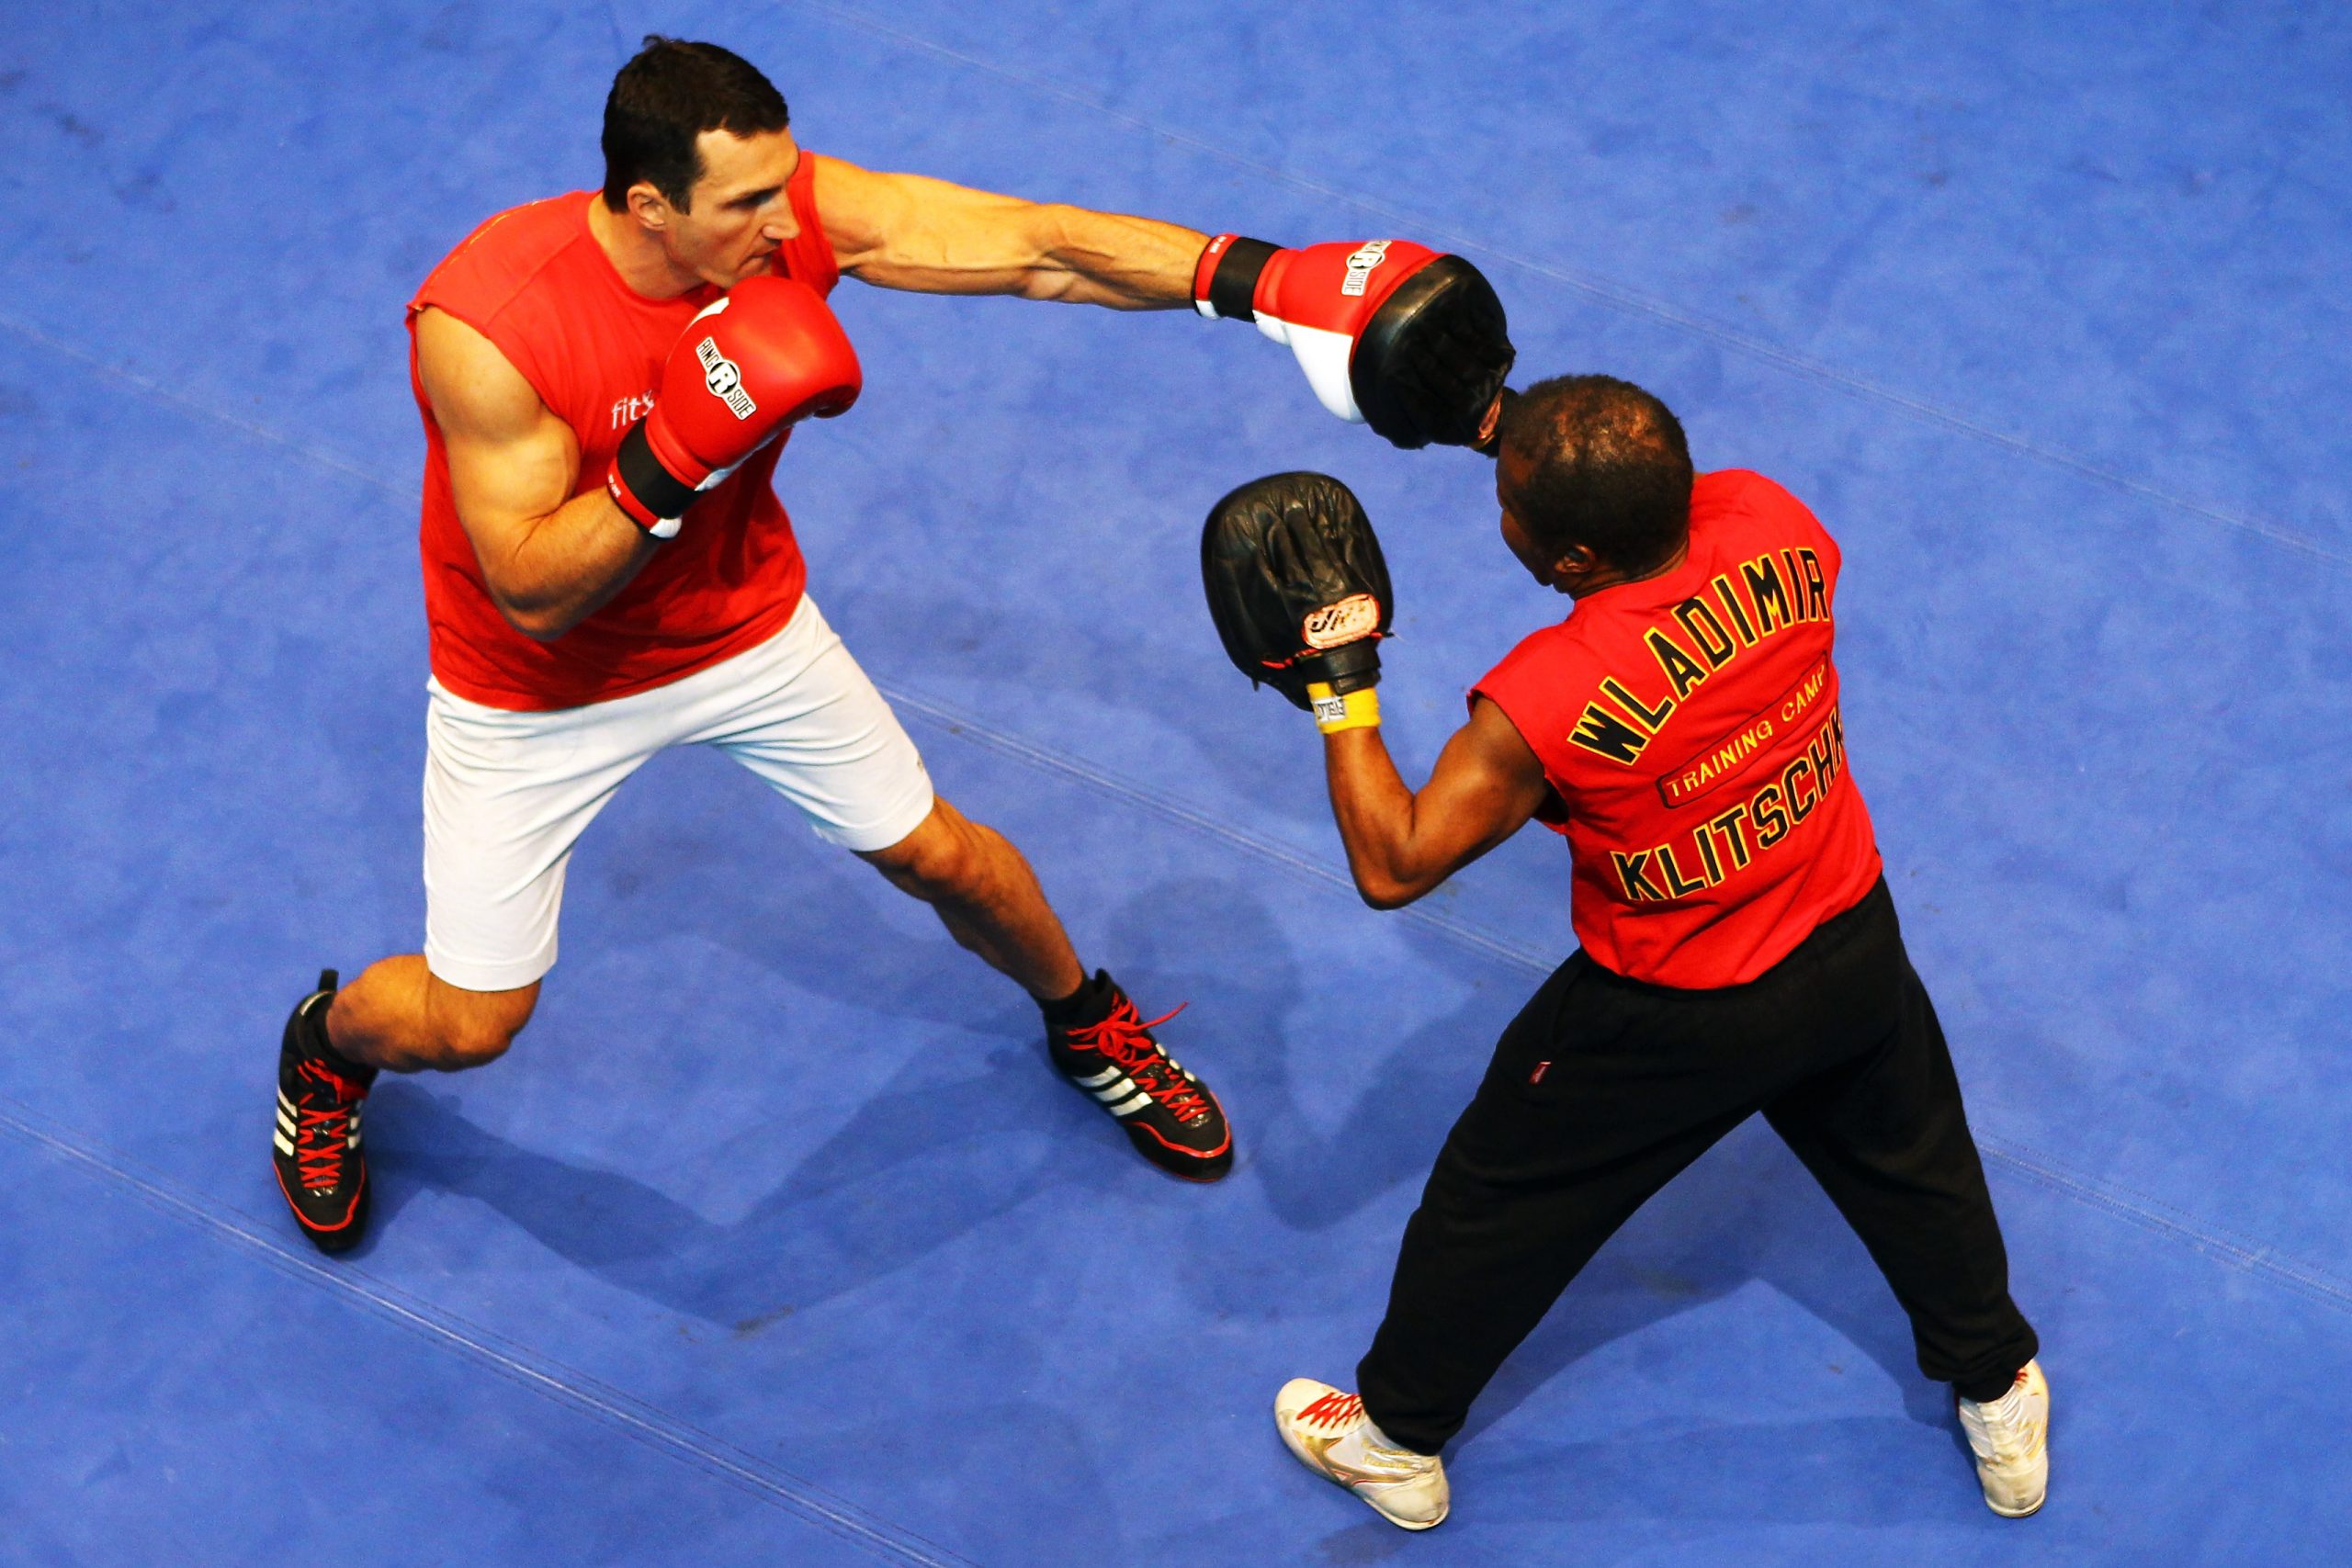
[507, 795]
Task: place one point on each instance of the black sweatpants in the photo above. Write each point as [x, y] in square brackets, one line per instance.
[1604, 1088]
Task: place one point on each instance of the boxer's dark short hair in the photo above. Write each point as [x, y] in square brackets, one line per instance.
[1607, 467]
[669, 93]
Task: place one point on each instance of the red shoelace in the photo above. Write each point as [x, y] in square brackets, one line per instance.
[1123, 1038]
[323, 1137]
[1334, 1410]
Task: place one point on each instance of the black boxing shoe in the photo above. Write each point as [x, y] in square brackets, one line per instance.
[321, 1168]
[1104, 1045]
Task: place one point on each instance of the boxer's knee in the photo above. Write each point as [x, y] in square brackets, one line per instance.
[948, 858]
[470, 1029]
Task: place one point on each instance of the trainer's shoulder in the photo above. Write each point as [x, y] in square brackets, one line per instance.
[1547, 661]
[504, 257]
[1741, 502]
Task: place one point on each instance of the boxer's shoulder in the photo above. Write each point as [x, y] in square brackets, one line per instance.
[505, 254]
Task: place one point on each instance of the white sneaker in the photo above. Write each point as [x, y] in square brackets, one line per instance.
[2010, 1437]
[1332, 1437]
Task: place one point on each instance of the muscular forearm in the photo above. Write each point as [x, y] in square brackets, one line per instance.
[1402, 842]
[567, 566]
[1376, 815]
[1113, 259]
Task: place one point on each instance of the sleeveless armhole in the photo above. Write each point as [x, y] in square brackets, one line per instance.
[484, 290]
[810, 256]
[1512, 685]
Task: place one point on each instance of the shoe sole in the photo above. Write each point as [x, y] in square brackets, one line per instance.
[1359, 1497]
[1206, 1173]
[1401, 1524]
[342, 1237]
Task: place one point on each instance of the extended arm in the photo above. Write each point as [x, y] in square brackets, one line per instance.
[1400, 844]
[550, 559]
[911, 231]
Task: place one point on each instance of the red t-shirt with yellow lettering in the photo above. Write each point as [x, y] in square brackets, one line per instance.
[534, 281]
[1688, 724]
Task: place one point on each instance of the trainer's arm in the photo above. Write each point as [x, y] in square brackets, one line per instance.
[1486, 786]
[911, 231]
[550, 559]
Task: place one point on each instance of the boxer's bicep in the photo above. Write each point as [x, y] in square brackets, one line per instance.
[934, 237]
[913, 231]
[512, 462]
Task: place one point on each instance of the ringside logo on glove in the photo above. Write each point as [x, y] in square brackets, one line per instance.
[1369, 255]
[724, 379]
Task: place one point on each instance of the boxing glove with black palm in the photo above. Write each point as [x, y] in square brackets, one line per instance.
[748, 366]
[1408, 340]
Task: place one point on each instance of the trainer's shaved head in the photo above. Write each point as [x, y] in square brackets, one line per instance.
[1595, 461]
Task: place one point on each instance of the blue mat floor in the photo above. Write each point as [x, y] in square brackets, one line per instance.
[774, 1240]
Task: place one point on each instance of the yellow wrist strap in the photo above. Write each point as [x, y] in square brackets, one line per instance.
[1360, 709]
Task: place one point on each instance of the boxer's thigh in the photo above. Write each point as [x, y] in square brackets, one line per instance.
[804, 717]
[506, 796]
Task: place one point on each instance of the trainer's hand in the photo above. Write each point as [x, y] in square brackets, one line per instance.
[1299, 593]
[768, 354]
[1390, 333]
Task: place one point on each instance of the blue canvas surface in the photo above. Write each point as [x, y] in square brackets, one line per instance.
[774, 1239]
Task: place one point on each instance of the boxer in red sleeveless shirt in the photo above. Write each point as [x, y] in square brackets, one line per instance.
[1739, 949]
[608, 382]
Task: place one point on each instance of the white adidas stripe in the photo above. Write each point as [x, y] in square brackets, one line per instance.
[1132, 1106]
[285, 1139]
[1098, 1080]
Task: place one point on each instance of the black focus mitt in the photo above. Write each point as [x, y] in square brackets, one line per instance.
[1296, 585]
[1410, 340]
[1433, 358]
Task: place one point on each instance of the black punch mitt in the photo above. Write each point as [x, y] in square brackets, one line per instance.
[1296, 584]
[1433, 358]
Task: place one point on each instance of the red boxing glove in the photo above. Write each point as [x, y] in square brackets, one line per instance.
[751, 364]
[1390, 333]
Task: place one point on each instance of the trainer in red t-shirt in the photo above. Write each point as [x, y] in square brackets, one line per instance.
[1740, 951]
[1688, 724]
[1681, 726]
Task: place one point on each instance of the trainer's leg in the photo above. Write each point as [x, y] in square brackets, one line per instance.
[399, 1016]
[1584, 1114]
[1886, 1136]
[986, 896]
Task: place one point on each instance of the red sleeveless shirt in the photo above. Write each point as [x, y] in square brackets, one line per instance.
[534, 281]
[1690, 725]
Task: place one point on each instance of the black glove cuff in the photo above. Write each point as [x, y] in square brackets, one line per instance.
[1234, 284]
[656, 488]
[1349, 669]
